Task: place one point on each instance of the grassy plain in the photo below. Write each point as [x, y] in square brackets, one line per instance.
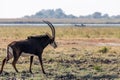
[78, 56]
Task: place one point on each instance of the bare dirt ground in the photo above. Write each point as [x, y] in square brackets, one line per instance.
[103, 66]
[90, 42]
[75, 42]
[74, 59]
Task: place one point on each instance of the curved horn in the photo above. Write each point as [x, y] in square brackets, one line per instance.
[52, 28]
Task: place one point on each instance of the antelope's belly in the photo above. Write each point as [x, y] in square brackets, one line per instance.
[27, 54]
[24, 54]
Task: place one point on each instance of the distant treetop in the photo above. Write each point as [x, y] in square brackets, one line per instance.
[59, 13]
[50, 13]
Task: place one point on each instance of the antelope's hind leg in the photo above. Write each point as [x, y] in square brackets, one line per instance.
[6, 59]
[14, 63]
[3, 63]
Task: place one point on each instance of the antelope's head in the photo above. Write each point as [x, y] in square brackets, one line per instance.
[52, 37]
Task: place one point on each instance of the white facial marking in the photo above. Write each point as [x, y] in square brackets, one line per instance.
[53, 45]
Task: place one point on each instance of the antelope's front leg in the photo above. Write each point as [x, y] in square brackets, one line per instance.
[40, 59]
[31, 61]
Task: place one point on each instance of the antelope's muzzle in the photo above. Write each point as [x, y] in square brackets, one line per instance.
[54, 45]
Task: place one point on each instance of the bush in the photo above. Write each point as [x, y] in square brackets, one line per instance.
[103, 50]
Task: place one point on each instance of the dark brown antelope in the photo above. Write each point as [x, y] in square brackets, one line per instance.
[32, 46]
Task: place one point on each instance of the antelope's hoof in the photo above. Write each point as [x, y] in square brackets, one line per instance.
[44, 72]
[0, 72]
[31, 72]
[17, 71]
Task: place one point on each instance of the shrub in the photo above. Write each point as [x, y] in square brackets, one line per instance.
[103, 50]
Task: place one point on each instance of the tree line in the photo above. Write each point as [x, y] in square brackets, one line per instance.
[59, 13]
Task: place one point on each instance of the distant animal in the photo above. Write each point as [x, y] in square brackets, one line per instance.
[32, 46]
[80, 25]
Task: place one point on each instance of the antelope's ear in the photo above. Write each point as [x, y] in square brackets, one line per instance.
[29, 37]
[51, 37]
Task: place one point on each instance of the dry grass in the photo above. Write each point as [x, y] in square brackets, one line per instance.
[72, 60]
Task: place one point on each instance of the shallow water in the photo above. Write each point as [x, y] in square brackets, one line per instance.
[62, 25]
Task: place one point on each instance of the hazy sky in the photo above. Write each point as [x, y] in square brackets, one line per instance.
[20, 8]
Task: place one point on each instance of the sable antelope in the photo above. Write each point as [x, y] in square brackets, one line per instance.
[32, 46]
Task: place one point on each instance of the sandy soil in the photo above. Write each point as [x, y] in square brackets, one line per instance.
[90, 42]
[73, 60]
[75, 42]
